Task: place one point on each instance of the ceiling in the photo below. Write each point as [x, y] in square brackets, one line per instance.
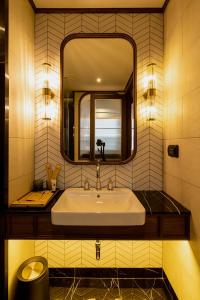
[99, 3]
[86, 59]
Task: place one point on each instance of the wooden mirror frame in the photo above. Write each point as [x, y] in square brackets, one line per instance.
[98, 35]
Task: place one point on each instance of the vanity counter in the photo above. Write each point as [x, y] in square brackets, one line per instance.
[166, 219]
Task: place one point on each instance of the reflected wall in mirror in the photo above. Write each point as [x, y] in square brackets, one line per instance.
[98, 98]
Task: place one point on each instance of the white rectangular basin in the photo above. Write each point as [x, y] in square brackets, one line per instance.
[77, 207]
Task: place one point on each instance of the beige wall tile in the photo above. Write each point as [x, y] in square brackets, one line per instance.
[40, 247]
[21, 157]
[124, 255]
[180, 263]
[141, 255]
[21, 70]
[173, 119]
[56, 253]
[172, 165]
[82, 254]
[190, 67]
[21, 98]
[172, 18]
[190, 198]
[73, 254]
[155, 254]
[172, 186]
[20, 186]
[18, 252]
[182, 114]
[191, 114]
[191, 21]
[190, 160]
[187, 166]
[173, 66]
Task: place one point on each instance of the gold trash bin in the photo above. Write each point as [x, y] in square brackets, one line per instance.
[33, 280]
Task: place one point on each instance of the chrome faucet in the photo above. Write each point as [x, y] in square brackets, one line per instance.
[98, 182]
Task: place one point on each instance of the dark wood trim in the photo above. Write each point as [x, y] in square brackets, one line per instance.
[139, 10]
[38, 226]
[92, 127]
[32, 5]
[165, 5]
[3, 269]
[99, 35]
[4, 108]
[33, 223]
[106, 273]
[79, 115]
[128, 84]
[4, 103]
[4, 117]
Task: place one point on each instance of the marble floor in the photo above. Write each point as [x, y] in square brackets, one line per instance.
[100, 294]
[110, 284]
[111, 291]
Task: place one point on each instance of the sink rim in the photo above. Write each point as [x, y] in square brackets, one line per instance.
[69, 217]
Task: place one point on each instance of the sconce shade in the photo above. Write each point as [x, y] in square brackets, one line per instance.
[46, 91]
[150, 93]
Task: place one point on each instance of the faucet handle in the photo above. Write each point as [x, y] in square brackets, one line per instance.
[110, 185]
[86, 185]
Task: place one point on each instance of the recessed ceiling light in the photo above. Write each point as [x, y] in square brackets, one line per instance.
[98, 80]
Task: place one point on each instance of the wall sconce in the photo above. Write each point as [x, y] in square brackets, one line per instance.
[150, 94]
[47, 91]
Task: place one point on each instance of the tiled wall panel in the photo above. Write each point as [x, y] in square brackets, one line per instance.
[120, 254]
[21, 99]
[182, 127]
[145, 171]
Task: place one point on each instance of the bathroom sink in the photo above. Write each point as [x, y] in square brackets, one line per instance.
[77, 207]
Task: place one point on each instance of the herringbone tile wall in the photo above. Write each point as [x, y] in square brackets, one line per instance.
[120, 254]
[144, 172]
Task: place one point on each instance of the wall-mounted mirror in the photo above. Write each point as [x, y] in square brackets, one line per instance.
[98, 98]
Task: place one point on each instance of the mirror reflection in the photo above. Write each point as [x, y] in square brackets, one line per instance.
[98, 88]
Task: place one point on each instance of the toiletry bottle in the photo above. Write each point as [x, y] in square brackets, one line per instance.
[86, 185]
[53, 185]
[110, 185]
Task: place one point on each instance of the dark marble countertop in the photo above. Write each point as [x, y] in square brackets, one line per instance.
[158, 202]
[155, 202]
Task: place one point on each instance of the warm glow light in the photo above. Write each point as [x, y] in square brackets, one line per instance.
[149, 110]
[2, 29]
[179, 255]
[49, 109]
[46, 75]
[151, 113]
[98, 80]
[149, 81]
[48, 82]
